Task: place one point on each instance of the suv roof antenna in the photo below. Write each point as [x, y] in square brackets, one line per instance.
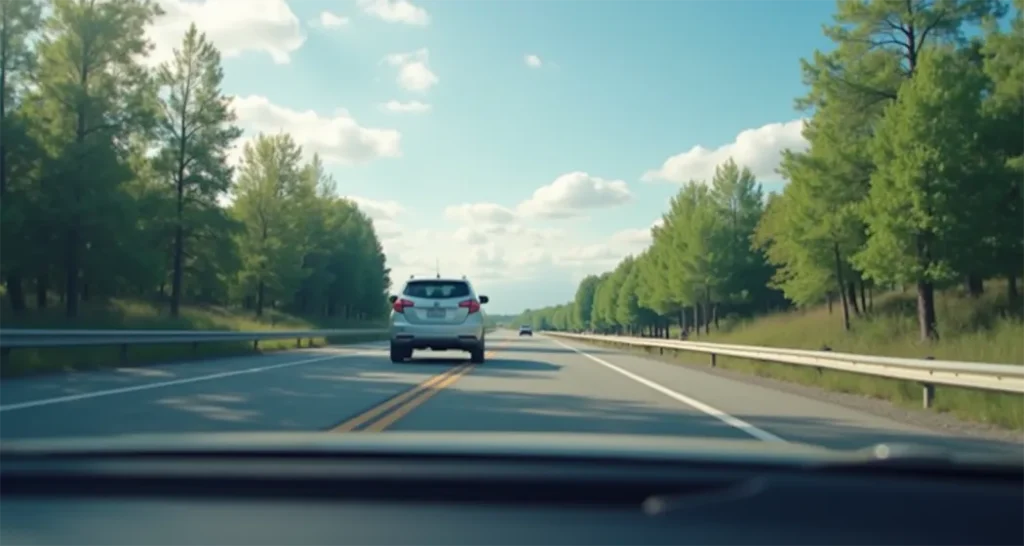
[437, 265]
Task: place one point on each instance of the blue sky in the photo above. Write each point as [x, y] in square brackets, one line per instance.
[620, 88]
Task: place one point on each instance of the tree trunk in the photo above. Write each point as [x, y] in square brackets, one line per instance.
[1011, 290]
[841, 283]
[696, 318]
[974, 285]
[16, 292]
[707, 310]
[714, 315]
[926, 311]
[42, 284]
[829, 298]
[863, 297]
[176, 275]
[71, 273]
[259, 298]
[851, 296]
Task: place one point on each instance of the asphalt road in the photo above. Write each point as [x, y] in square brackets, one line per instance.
[526, 384]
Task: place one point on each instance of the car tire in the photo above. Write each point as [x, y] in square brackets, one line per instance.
[399, 354]
[476, 355]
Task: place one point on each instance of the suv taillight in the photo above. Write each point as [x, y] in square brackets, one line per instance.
[472, 304]
[400, 305]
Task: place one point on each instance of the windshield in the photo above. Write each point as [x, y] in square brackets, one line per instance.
[795, 222]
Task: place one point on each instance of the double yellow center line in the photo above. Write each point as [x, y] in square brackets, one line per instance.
[391, 410]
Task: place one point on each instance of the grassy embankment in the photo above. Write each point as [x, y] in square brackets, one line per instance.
[138, 315]
[976, 330]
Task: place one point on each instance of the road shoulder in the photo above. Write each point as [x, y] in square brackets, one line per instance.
[938, 423]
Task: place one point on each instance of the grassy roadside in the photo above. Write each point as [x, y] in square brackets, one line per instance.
[138, 315]
[974, 330]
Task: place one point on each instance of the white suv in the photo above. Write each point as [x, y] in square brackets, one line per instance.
[437, 314]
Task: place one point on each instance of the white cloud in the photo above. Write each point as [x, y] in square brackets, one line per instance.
[532, 61]
[337, 138]
[470, 236]
[758, 149]
[508, 252]
[522, 265]
[481, 234]
[410, 107]
[387, 230]
[413, 72]
[234, 26]
[600, 257]
[466, 251]
[496, 244]
[572, 193]
[635, 239]
[396, 11]
[480, 213]
[384, 214]
[378, 210]
[330, 20]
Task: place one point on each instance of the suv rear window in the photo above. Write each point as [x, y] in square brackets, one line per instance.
[437, 290]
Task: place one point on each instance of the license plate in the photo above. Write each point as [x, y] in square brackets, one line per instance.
[435, 313]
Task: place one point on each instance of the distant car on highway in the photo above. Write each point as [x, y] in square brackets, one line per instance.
[526, 330]
[437, 314]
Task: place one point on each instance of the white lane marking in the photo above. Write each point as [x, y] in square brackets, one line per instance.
[696, 404]
[148, 386]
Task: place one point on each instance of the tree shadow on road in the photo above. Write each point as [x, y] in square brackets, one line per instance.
[22, 389]
[494, 367]
[527, 345]
[507, 411]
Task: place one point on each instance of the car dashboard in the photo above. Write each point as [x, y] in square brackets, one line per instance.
[277, 497]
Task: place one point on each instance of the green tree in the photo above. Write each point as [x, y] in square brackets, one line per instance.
[1003, 58]
[92, 95]
[926, 193]
[584, 301]
[271, 245]
[19, 22]
[197, 133]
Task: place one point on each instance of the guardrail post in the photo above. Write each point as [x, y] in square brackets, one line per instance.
[195, 348]
[298, 342]
[927, 391]
[255, 344]
[124, 354]
[929, 395]
[714, 360]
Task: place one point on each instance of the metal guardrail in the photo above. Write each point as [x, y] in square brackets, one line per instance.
[37, 339]
[993, 377]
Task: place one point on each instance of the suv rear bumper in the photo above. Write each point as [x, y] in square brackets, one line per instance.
[464, 344]
[447, 336]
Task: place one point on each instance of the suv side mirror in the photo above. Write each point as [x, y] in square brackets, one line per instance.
[484, 299]
[392, 298]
